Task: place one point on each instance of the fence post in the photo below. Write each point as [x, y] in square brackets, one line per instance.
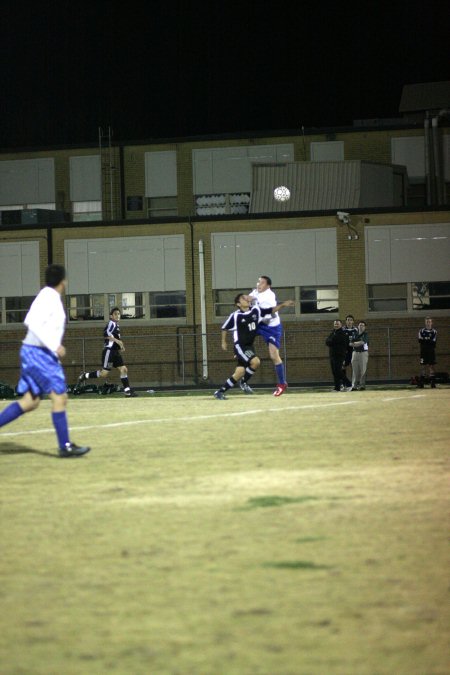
[389, 353]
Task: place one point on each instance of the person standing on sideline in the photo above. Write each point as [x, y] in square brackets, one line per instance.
[111, 355]
[337, 343]
[41, 371]
[271, 329]
[352, 332]
[360, 358]
[244, 324]
[427, 339]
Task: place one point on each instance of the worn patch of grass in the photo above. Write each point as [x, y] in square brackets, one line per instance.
[159, 551]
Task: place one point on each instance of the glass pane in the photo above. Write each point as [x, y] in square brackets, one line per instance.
[17, 308]
[168, 305]
[387, 291]
[387, 305]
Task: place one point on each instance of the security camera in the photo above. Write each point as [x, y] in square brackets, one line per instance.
[343, 216]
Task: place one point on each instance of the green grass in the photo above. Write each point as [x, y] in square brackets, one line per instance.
[304, 535]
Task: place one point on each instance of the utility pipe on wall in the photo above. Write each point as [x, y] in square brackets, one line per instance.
[201, 267]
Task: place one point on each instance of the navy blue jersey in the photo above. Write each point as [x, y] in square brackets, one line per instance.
[427, 336]
[111, 328]
[244, 324]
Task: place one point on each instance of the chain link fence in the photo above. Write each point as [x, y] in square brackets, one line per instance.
[188, 359]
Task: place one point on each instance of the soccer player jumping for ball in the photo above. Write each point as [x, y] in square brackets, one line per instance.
[271, 330]
[243, 323]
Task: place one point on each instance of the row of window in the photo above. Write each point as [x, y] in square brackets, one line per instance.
[95, 307]
[172, 304]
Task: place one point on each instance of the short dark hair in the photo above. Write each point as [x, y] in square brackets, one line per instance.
[238, 298]
[114, 309]
[268, 279]
[349, 316]
[54, 274]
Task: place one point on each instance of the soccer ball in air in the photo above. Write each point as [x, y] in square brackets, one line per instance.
[281, 194]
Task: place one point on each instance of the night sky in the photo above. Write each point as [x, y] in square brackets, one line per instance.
[177, 69]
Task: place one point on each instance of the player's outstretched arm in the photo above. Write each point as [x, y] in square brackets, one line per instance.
[286, 303]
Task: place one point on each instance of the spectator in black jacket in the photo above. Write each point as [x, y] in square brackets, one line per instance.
[337, 343]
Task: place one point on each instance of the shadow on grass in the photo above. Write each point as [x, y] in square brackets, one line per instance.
[14, 449]
[296, 565]
[266, 501]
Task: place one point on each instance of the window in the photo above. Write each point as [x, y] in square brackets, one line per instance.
[131, 304]
[418, 295]
[86, 211]
[85, 307]
[431, 295]
[317, 300]
[16, 308]
[387, 297]
[162, 206]
[168, 305]
[309, 300]
[221, 204]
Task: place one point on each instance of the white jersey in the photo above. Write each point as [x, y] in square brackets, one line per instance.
[265, 300]
[46, 320]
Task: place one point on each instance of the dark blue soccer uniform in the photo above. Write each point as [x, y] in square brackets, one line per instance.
[427, 339]
[111, 356]
[243, 325]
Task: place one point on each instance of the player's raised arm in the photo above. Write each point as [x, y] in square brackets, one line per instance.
[286, 303]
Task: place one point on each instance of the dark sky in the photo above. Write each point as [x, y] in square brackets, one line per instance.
[172, 69]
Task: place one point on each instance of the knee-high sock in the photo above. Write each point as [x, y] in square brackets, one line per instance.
[59, 420]
[125, 383]
[11, 413]
[279, 369]
[249, 372]
[229, 384]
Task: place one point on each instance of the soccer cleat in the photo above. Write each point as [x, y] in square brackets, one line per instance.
[72, 450]
[246, 388]
[130, 394]
[220, 395]
[281, 388]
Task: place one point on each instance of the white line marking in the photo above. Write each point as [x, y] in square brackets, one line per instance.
[161, 420]
[191, 418]
[396, 398]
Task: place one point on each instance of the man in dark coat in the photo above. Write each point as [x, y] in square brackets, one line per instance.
[337, 343]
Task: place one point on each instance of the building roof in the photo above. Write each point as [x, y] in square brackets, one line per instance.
[425, 96]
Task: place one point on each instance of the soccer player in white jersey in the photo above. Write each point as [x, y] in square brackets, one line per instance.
[243, 324]
[41, 372]
[271, 329]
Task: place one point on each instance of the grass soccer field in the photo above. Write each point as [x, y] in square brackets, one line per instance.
[304, 535]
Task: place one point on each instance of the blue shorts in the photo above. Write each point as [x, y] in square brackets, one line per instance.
[40, 372]
[270, 334]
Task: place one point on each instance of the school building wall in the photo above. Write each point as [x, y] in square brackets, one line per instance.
[171, 353]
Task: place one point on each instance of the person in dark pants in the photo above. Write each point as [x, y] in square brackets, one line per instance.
[352, 333]
[337, 343]
[427, 339]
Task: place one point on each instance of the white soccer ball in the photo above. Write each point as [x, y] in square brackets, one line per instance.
[281, 194]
